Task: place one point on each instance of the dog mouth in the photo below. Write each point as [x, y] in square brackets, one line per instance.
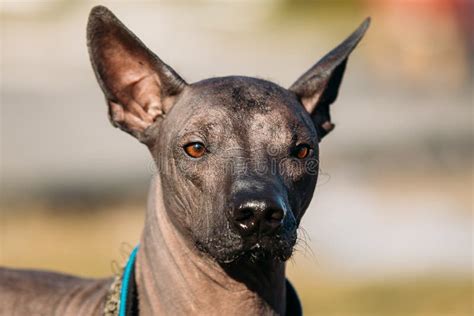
[278, 247]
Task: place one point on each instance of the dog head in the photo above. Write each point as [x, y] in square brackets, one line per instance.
[237, 156]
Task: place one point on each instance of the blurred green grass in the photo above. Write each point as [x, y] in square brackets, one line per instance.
[87, 243]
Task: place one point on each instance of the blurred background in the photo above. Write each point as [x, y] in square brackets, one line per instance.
[389, 231]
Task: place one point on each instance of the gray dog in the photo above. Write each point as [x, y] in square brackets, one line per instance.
[238, 163]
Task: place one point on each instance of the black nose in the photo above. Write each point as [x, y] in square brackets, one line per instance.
[259, 216]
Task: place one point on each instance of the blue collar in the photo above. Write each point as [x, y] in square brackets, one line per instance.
[128, 275]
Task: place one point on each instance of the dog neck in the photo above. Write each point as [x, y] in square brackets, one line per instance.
[174, 278]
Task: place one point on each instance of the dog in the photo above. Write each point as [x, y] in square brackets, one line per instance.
[237, 161]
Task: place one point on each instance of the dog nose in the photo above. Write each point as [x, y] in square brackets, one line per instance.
[258, 216]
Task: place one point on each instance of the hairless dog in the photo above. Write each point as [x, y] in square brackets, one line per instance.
[237, 162]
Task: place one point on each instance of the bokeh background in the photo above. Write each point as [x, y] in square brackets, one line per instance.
[389, 231]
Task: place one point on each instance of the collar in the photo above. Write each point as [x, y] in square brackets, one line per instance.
[122, 299]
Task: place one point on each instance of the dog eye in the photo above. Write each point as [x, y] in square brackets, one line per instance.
[195, 150]
[301, 151]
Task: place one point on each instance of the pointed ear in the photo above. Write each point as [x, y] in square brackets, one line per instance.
[138, 86]
[318, 87]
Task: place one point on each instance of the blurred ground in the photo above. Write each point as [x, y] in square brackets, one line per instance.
[91, 244]
[390, 229]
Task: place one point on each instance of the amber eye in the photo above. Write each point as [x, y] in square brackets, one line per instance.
[301, 151]
[195, 150]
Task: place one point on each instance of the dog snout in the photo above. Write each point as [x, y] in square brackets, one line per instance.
[259, 216]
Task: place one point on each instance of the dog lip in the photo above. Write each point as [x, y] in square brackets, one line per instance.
[257, 242]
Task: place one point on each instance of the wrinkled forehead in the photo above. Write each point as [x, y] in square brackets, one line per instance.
[246, 104]
[242, 94]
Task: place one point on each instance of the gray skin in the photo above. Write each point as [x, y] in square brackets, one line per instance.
[218, 227]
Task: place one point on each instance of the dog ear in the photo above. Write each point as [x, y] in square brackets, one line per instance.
[318, 87]
[138, 86]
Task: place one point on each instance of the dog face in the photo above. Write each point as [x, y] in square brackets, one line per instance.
[238, 163]
[237, 156]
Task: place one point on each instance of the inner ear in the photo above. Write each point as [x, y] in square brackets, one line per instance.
[138, 86]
